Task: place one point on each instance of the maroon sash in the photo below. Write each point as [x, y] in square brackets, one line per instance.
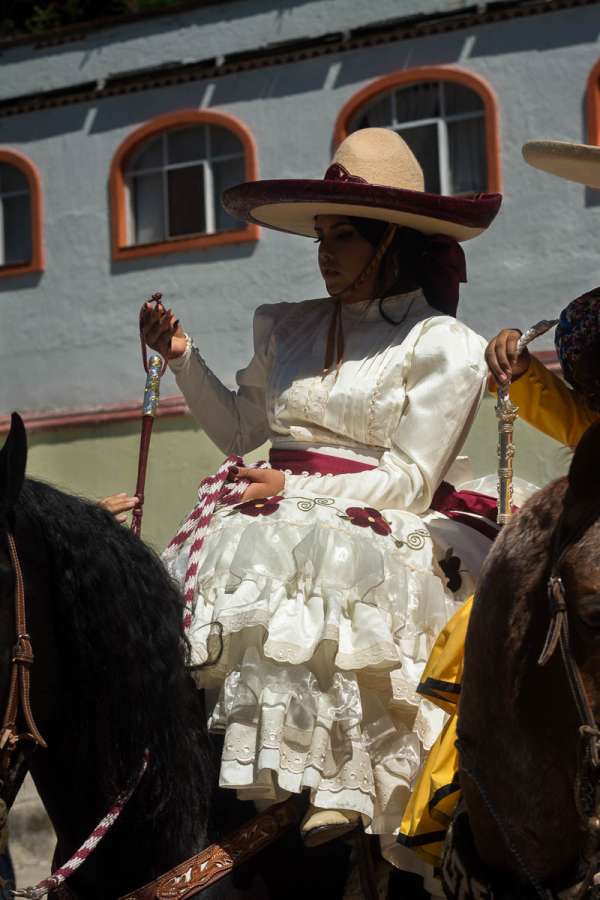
[476, 510]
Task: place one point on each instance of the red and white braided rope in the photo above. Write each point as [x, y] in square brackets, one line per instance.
[214, 490]
[61, 874]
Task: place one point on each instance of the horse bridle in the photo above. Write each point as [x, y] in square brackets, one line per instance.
[18, 705]
[587, 787]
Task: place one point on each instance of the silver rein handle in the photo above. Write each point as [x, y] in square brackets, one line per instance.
[506, 414]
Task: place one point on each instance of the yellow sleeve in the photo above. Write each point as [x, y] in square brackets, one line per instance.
[545, 401]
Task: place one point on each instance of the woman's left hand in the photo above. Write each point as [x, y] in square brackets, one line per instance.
[265, 482]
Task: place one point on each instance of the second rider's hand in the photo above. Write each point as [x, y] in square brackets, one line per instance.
[265, 482]
[502, 358]
[119, 505]
[162, 331]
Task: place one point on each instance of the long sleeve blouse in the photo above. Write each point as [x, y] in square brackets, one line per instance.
[403, 398]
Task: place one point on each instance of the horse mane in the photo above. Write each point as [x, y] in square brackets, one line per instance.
[123, 654]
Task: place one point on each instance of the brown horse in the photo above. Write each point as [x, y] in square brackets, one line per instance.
[529, 772]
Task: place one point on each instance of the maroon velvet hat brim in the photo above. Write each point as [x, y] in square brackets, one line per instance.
[270, 203]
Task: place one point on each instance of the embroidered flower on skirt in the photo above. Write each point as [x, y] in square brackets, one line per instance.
[368, 518]
[262, 507]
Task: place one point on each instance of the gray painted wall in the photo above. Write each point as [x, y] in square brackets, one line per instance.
[198, 34]
[68, 336]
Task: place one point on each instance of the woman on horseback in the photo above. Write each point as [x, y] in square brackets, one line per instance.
[318, 597]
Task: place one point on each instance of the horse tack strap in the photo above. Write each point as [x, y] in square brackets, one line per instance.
[19, 688]
[213, 863]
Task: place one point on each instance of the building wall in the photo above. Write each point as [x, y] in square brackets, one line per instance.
[218, 29]
[69, 335]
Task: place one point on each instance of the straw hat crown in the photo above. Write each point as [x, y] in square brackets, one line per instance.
[380, 156]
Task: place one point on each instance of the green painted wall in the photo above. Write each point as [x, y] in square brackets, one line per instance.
[97, 461]
[94, 462]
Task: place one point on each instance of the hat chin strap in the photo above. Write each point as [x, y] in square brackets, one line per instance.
[334, 348]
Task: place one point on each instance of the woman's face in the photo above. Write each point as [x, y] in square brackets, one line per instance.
[343, 256]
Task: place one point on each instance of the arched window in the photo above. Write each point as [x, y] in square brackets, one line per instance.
[447, 116]
[167, 179]
[593, 105]
[20, 215]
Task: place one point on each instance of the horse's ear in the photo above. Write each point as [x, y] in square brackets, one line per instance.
[584, 474]
[13, 458]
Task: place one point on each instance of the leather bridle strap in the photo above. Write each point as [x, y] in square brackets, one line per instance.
[558, 630]
[558, 636]
[215, 862]
[19, 689]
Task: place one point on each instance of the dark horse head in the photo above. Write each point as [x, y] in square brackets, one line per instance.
[108, 682]
[530, 796]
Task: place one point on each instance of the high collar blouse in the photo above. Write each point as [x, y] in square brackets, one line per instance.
[403, 399]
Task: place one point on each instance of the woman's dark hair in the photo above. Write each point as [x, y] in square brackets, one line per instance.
[409, 263]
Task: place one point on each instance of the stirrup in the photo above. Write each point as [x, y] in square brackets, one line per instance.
[319, 826]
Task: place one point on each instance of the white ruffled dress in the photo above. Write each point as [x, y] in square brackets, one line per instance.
[324, 618]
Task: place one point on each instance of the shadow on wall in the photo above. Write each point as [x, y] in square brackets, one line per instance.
[205, 16]
[227, 253]
[20, 282]
[538, 33]
[45, 123]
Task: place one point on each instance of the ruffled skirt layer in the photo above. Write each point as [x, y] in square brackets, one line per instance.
[313, 619]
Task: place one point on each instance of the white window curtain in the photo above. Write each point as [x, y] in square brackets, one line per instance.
[175, 181]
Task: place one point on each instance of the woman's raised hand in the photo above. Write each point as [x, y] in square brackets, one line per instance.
[162, 331]
[265, 482]
[502, 358]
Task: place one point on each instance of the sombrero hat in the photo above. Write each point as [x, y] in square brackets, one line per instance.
[373, 175]
[575, 162]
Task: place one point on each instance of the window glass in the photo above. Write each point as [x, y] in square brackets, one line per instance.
[225, 175]
[186, 201]
[16, 216]
[12, 179]
[186, 144]
[378, 114]
[150, 156]
[459, 99]
[423, 141]
[444, 125]
[175, 181]
[148, 208]
[419, 101]
[467, 158]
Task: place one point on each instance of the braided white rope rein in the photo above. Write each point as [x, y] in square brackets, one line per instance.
[214, 490]
[60, 875]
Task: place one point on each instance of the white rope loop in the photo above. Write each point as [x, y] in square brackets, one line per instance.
[60, 875]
